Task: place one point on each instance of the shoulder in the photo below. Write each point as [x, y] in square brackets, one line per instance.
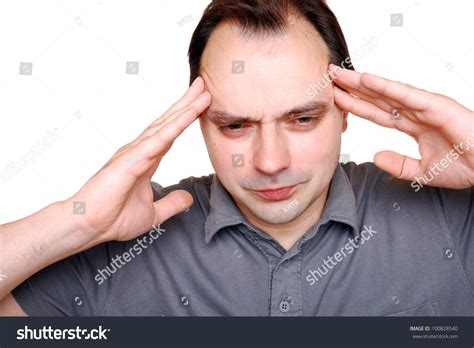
[385, 196]
[381, 192]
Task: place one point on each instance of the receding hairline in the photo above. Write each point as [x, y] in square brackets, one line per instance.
[288, 16]
[294, 20]
[261, 18]
[285, 19]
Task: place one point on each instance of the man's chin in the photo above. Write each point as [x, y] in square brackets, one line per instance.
[274, 213]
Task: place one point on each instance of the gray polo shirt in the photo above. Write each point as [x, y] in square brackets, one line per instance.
[379, 249]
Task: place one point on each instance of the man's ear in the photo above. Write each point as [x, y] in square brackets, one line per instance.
[345, 114]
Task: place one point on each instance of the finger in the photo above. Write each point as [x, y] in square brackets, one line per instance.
[161, 140]
[143, 158]
[197, 103]
[200, 103]
[194, 91]
[408, 96]
[364, 109]
[349, 80]
[140, 158]
[379, 102]
[170, 205]
[399, 166]
[395, 113]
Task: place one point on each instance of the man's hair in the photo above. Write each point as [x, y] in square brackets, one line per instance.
[262, 17]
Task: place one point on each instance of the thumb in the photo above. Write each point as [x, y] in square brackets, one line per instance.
[173, 203]
[399, 166]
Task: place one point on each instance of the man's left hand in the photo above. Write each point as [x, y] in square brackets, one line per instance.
[443, 128]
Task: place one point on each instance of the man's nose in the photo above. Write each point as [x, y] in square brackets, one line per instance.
[271, 152]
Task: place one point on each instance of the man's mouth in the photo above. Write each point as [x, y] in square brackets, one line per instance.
[276, 194]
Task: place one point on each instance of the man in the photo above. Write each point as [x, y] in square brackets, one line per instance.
[281, 228]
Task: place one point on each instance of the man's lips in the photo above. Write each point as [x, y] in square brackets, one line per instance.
[276, 194]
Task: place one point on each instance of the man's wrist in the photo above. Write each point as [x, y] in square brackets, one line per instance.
[79, 234]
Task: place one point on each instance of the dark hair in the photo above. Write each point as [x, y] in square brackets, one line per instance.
[267, 17]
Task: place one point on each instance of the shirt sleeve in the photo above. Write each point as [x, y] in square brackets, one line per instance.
[457, 206]
[74, 286]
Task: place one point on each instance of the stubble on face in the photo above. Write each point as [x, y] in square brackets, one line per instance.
[275, 78]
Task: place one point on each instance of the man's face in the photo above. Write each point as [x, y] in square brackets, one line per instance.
[268, 143]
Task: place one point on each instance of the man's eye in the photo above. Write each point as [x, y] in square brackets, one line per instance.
[306, 120]
[301, 121]
[233, 127]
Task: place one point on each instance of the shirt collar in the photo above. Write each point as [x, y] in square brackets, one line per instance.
[340, 206]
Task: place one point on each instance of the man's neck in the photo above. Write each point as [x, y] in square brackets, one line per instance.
[289, 233]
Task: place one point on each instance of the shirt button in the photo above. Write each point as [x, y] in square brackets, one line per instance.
[286, 263]
[284, 306]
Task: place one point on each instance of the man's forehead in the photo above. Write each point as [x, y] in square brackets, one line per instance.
[257, 98]
[246, 71]
[228, 35]
[230, 54]
[263, 76]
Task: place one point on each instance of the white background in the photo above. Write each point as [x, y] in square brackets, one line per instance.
[78, 84]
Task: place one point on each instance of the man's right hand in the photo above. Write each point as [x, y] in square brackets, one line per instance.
[117, 202]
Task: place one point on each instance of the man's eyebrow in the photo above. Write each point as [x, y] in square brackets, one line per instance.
[313, 106]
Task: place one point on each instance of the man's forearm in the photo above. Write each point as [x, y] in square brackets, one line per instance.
[31, 244]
